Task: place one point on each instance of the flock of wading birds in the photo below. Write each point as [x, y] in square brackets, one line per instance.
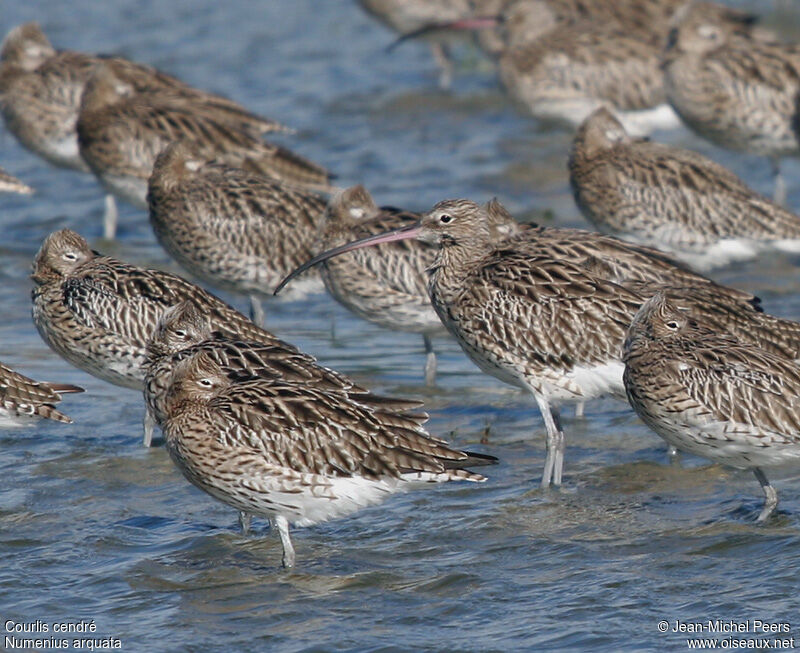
[566, 314]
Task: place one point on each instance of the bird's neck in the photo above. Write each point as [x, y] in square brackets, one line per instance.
[454, 263]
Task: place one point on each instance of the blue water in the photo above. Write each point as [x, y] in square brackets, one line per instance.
[95, 527]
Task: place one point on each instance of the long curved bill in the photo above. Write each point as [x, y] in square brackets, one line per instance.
[404, 233]
[474, 24]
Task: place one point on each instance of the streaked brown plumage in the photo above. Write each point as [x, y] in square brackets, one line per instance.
[539, 317]
[184, 330]
[121, 132]
[672, 198]
[739, 92]
[645, 271]
[710, 394]
[41, 89]
[387, 284]
[536, 322]
[578, 67]
[231, 228]
[23, 400]
[98, 313]
[294, 452]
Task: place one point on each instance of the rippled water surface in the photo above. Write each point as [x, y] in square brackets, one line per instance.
[94, 526]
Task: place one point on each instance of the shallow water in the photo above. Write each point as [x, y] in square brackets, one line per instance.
[95, 527]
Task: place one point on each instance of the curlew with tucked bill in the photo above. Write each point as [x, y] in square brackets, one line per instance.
[294, 452]
[98, 313]
[711, 394]
[736, 90]
[672, 198]
[235, 229]
[41, 90]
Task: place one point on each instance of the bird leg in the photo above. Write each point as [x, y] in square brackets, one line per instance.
[244, 521]
[110, 218]
[579, 409]
[288, 550]
[149, 424]
[779, 192]
[256, 310]
[430, 361]
[441, 54]
[771, 495]
[554, 461]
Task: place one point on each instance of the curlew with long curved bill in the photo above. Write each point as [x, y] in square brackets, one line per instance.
[535, 322]
[548, 312]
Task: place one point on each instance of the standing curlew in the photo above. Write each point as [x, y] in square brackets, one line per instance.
[229, 227]
[121, 132]
[23, 400]
[672, 198]
[294, 452]
[98, 313]
[533, 318]
[710, 394]
[385, 285]
[41, 91]
[406, 17]
[185, 329]
[540, 324]
[578, 67]
[737, 91]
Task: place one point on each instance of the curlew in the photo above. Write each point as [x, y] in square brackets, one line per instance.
[185, 329]
[533, 318]
[711, 394]
[738, 91]
[672, 198]
[121, 132]
[41, 89]
[294, 452]
[98, 313]
[234, 229]
[385, 285]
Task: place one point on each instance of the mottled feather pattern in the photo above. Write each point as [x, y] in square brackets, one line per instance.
[242, 360]
[585, 60]
[532, 314]
[711, 393]
[273, 447]
[40, 99]
[310, 430]
[738, 92]
[99, 313]
[626, 263]
[22, 397]
[666, 195]
[120, 135]
[234, 229]
[387, 284]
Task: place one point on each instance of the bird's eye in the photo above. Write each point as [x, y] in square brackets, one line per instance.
[206, 383]
[445, 219]
[180, 333]
[709, 32]
[69, 256]
[672, 324]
